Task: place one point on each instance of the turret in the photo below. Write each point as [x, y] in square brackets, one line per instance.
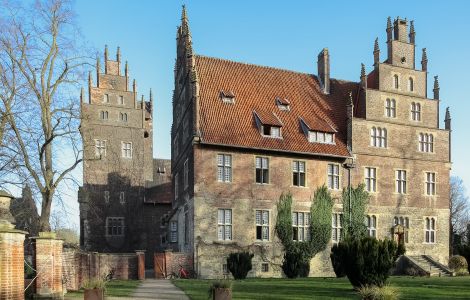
[436, 88]
[424, 61]
[389, 29]
[400, 28]
[412, 34]
[363, 76]
[376, 53]
[323, 65]
[447, 120]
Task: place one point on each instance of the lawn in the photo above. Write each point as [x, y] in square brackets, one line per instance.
[331, 288]
[114, 288]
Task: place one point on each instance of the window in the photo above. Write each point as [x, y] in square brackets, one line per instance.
[173, 231]
[126, 149]
[100, 148]
[301, 226]
[371, 223]
[262, 170]
[224, 167]
[272, 131]
[104, 115]
[121, 100]
[430, 230]
[321, 137]
[333, 176]
[415, 111]
[114, 226]
[262, 225]
[410, 84]
[426, 142]
[283, 104]
[227, 97]
[298, 173]
[106, 196]
[105, 98]
[378, 137]
[122, 198]
[186, 174]
[395, 82]
[224, 226]
[176, 186]
[123, 117]
[264, 267]
[370, 179]
[403, 221]
[390, 108]
[430, 184]
[337, 227]
[400, 180]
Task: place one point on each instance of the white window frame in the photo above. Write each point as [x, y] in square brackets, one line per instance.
[115, 226]
[100, 148]
[390, 108]
[336, 227]
[430, 183]
[301, 226]
[224, 167]
[262, 164]
[416, 111]
[321, 137]
[370, 179]
[173, 231]
[378, 137]
[262, 222]
[426, 142]
[274, 131]
[333, 176]
[371, 224]
[126, 149]
[224, 224]
[400, 182]
[430, 230]
[299, 169]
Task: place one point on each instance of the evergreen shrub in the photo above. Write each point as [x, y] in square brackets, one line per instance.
[239, 264]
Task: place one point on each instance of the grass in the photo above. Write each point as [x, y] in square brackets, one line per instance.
[114, 288]
[331, 288]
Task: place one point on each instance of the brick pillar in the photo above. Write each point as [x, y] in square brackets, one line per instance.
[48, 263]
[11, 253]
[140, 264]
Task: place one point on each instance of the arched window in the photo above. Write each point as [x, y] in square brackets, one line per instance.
[416, 111]
[104, 115]
[395, 81]
[410, 84]
[390, 108]
[378, 137]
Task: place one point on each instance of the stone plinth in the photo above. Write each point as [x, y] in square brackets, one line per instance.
[48, 263]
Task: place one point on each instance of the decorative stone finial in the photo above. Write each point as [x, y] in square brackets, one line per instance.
[424, 61]
[412, 34]
[436, 88]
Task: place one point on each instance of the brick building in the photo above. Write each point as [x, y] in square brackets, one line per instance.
[126, 192]
[242, 134]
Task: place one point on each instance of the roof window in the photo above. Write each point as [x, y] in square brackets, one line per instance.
[227, 97]
[283, 104]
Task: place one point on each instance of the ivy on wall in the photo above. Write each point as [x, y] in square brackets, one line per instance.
[299, 253]
[354, 223]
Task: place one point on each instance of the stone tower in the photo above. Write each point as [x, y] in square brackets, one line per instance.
[116, 129]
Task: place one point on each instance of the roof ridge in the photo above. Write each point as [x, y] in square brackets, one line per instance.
[255, 65]
[268, 67]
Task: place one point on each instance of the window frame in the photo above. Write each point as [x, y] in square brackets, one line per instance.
[337, 227]
[270, 128]
[115, 227]
[100, 148]
[416, 111]
[334, 185]
[224, 224]
[301, 233]
[371, 224]
[125, 150]
[263, 175]
[122, 197]
[390, 108]
[298, 174]
[401, 182]
[396, 81]
[173, 231]
[430, 230]
[264, 226]
[411, 84]
[430, 183]
[105, 98]
[378, 137]
[369, 180]
[405, 222]
[223, 169]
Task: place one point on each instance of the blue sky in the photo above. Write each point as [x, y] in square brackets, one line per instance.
[284, 34]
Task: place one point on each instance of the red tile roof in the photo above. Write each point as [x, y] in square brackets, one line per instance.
[255, 89]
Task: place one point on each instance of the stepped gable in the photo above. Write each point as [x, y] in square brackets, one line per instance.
[255, 89]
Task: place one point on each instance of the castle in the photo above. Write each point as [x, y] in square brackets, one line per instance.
[242, 134]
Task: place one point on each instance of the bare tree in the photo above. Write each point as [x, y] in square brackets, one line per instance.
[40, 66]
[459, 208]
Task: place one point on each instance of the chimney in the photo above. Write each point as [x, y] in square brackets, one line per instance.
[324, 70]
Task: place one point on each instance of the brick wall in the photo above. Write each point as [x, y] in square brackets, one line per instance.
[11, 265]
[48, 263]
[79, 265]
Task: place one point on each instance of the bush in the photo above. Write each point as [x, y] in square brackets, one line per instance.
[367, 261]
[295, 264]
[458, 263]
[239, 264]
[378, 293]
[335, 257]
[464, 250]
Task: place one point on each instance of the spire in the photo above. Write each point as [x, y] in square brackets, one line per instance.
[363, 76]
[98, 69]
[126, 69]
[118, 54]
[184, 22]
[134, 86]
[151, 97]
[424, 61]
[389, 29]
[106, 59]
[376, 52]
[436, 88]
[412, 34]
[447, 120]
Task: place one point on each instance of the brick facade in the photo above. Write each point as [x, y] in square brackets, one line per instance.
[353, 109]
[11, 264]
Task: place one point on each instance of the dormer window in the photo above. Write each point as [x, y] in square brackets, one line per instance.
[283, 104]
[268, 124]
[227, 97]
[321, 137]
